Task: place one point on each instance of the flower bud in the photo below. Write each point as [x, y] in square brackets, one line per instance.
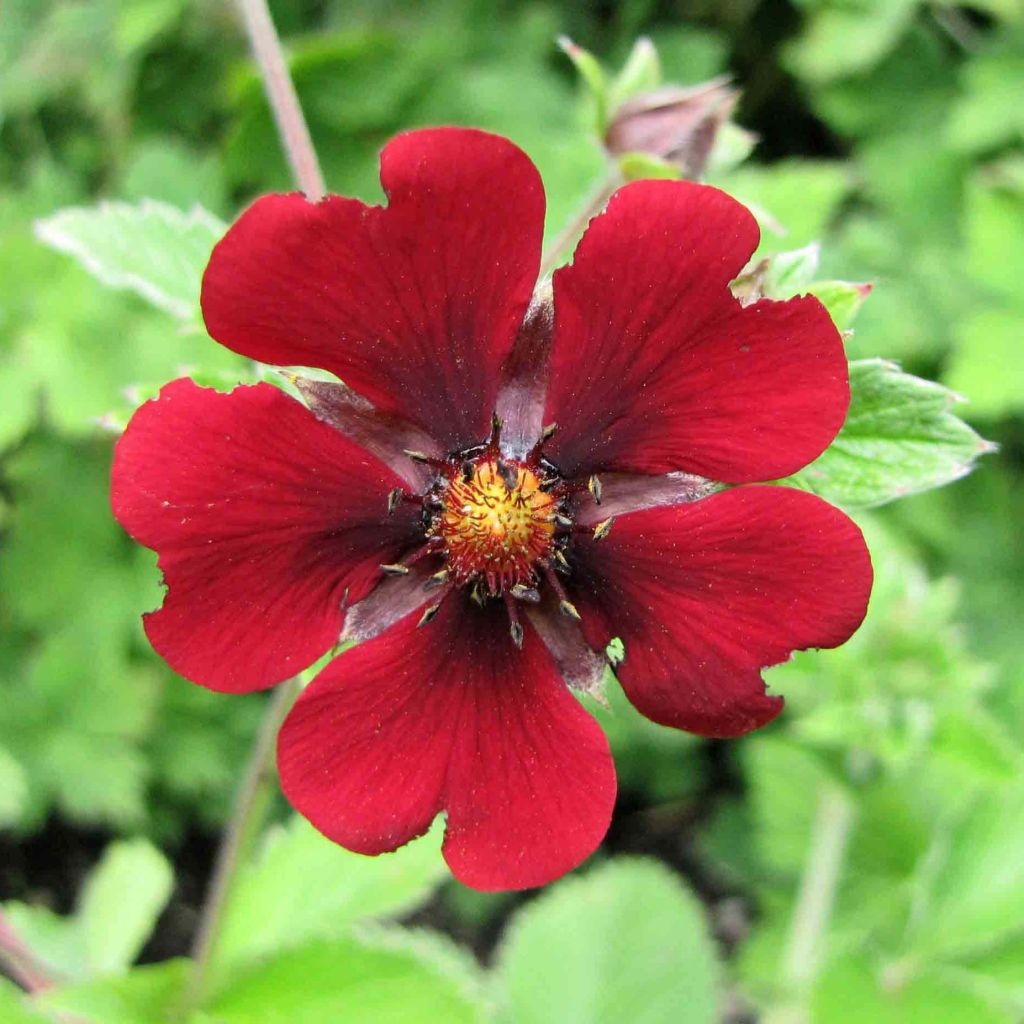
[673, 124]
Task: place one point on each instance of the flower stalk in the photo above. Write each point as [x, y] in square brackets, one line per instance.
[246, 815]
[280, 90]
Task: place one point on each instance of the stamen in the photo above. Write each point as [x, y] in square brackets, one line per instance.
[494, 442]
[594, 486]
[437, 580]
[515, 627]
[561, 562]
[565, 606]
[603, 528]
[429, 614]
[394, 569]
[523, 593]
[533, 456]
[427, 460]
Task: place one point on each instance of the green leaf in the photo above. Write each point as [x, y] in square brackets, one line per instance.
[640, 166]
[14, 1006]
[900, 437]
[13, 789]
[302, 886]
[989, 113]
[146, 995]
[854, 990]
[791, 272]
[153, 249]
[843, 39]
[640, 73]
[117, 909]
[590, 70]
[796, 199]
[842, 299]
[121, 902]
[986, 363]
[356, 981]
[626, 942]
[977, 893]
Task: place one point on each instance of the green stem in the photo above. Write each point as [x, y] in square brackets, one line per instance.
[571, 233]
[280, 90]
[247, 813]
[833, 822]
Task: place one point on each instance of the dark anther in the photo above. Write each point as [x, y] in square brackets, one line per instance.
[495, 430]
[476, 595]
[548, 432]
[565, 606]
[562, 520]
[521, 592]
[603, 528]
[515, 627]
[594, 486]
[516, 630]
[417, 456]
[395, 569]
[509, 476]
[394, 500]
[429, 614]
[561, 562]
[467, 471]
[437, 580]
[549, 485]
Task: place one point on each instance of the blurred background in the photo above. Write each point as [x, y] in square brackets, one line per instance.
[862, 859]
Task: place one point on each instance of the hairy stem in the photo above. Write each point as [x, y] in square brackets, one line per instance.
[571, 233]
[280, 90]
[246, 814]
[833, 822]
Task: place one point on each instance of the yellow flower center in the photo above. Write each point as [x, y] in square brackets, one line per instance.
[496, 524]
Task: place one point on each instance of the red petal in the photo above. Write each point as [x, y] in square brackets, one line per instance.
[264, 518]
[414, 305]
[705, 595]
[656, 367]
[452, 717]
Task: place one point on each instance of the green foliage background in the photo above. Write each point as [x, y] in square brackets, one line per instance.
[892, 132]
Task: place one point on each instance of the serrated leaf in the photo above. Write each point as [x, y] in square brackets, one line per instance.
[350, 980]
[303, 886]
[151, 248]
[900, 437]
[121, 902]
[626, 942]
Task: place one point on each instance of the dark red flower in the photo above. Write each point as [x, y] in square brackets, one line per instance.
[282, 527]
